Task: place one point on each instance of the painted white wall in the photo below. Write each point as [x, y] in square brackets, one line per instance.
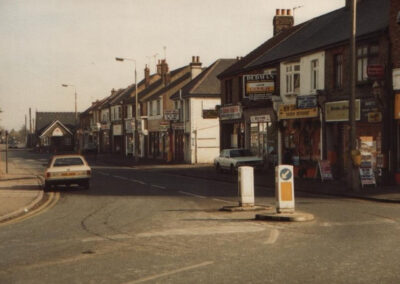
[305, 76]
[305, 73]
[207, 139]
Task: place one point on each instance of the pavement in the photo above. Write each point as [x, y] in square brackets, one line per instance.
[20, 190]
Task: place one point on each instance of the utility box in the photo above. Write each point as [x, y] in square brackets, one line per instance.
[284, 189]
[246, 186]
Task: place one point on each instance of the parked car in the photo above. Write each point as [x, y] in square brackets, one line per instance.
[232, 159]
[90, 148]
[67, 170]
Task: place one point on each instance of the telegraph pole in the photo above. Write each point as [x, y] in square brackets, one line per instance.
[353, 177]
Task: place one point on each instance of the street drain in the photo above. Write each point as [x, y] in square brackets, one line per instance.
[88, 252]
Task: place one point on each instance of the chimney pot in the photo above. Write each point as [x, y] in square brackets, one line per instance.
[278, 12]
[288, 12]
[283, 12]
[198, 59]
[193, 58]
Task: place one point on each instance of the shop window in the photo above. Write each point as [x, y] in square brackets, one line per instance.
[293, 78]
[338, 71]
[366, 55]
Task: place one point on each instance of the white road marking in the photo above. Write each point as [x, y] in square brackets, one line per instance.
[158, 186]
[107, 238]
[192, 194]
[171, 272]
[273, 237]
[138, 181]
[124, 178]
[221, 200]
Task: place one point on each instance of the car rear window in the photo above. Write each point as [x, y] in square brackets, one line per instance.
[63, 162]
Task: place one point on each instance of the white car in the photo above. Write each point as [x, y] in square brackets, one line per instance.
[232, 159]
[67, 170]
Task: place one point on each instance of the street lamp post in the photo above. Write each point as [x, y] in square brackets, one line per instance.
[76, 115]
[136, 107]
[76, 111]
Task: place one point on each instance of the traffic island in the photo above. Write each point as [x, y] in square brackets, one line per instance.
[286, 217]
[244, 208]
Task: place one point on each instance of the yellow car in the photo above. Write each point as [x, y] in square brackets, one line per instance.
[67, 170]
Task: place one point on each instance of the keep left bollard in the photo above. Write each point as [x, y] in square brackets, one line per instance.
[246, 186]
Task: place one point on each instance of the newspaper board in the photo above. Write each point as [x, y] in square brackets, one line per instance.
[367, 176]
[325, 170]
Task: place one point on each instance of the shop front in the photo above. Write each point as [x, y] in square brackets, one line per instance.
[129, 138]
[260, 134]
[105, 145]
[368, 134]
[232, 127]
[300, 130]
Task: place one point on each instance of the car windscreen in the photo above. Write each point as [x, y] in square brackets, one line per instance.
[240, 153]
[64, 162]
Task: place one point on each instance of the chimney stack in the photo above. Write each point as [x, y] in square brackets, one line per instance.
[147, 76]
[195, 66]
[283, 20]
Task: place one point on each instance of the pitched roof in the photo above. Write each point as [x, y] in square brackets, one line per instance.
[206, 84]
[44, 119]
[171, 85]
[329, 29]
[326, 30]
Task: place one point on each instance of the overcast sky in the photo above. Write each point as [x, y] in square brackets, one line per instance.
[45, 43]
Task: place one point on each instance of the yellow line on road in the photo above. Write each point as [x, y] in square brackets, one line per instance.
[53, 199]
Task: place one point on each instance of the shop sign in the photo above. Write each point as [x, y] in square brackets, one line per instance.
[259, 86]
[397, 106]
[57, 132]
[375, 71]
[210, 113]
[164, 126]
[230, 112]
[178, 126]
[260, 118]
[171, 115]
[117, 129]
[339, 111]
[292, 112]
[306, 102]
[374, 117]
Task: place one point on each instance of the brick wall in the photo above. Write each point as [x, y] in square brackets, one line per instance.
[394, 32]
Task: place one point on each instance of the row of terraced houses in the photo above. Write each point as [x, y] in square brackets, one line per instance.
[287, 100]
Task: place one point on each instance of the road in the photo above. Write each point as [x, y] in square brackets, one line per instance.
[148, 226]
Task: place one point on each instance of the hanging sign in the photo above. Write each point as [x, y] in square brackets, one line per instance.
[325, 170]
[339, 111]
[306, 101]
[171, 114]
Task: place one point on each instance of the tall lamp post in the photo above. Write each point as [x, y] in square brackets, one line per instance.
[136, 107]
[76, 111]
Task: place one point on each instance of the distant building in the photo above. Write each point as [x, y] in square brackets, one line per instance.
[55, 131]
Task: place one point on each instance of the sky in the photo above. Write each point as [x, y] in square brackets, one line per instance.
[47, 43]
